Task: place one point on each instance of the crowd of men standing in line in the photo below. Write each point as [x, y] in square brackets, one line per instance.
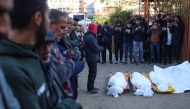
[158, 40]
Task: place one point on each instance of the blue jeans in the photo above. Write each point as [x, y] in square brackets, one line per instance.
[137, 45]
[128, 47]
[152, 46]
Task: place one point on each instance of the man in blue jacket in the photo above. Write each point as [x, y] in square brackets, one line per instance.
[92, 50]
[138, 36]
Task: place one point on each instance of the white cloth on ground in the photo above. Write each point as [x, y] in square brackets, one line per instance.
[117, 83]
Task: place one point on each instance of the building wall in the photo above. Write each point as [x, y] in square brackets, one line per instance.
[70, 6]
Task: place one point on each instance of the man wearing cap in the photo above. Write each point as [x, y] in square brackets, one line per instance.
[128, 42]
[92, 50]
[138, 36]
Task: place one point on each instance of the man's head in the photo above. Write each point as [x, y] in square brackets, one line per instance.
[58, 23]
[177, 19]
[93, 28]
[138, 21]
[82, 29]
[169, 23]
[106, 24]
[168, 16]
[158, 16]
[118, 23]
[44, 49]
[31, 14]
[129, 24]
[70, 24]
[5, 26]
[155, 23]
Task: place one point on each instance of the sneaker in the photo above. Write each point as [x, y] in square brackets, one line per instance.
[96, 88]
[93, 91]
[116, 62]
[111, 62]
[131, 62]
[103, 62]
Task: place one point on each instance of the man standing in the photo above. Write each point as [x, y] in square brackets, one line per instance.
[106, 41]
[128, 42]
[177, 31]
[138, 33]
[7, 99]
[118, 41]
[99, 37]
[92, 50]
[155, 34]
[167, 43]
[66, 67]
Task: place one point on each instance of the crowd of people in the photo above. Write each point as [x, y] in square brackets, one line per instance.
[156, 40]
[42, 51]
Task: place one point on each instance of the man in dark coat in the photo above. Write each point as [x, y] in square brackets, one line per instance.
[99, 37]
[138, 36]
[92, 50]
[107, 42]
[128, 42]
[167, 43]
[177, 31]
[118, 41]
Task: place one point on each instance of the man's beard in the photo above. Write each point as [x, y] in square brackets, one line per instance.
[41, 32]
[47, 61]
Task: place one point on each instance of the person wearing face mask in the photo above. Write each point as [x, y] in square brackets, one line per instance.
[155, 35]
[118, 41]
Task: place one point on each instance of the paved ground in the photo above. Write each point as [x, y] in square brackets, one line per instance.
[126, 100]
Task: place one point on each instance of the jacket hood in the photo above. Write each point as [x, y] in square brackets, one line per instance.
[9, 48]
[118, 21]
[179, 18]
[93, 28]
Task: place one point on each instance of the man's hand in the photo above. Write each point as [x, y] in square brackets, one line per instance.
[120, 29]
[105, 29]
[99, 34]
[116, 28]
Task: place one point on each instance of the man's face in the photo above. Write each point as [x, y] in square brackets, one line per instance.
[129, 25]
[42, 31]
[60, 29]
[168, 17]
[176, 20]
[82, 29]
[138, 22]
[118, 24]
[78, 28]
[168, 24]
[70, 24]
[5, 26]
[45, 52]
[155, 24]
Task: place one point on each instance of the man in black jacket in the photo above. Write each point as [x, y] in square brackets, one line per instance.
[106, 41]
[118, 41]
[128, 42]
[99, 37]
[177, 31]
[138, 33]
[92, 50]
[167, 43]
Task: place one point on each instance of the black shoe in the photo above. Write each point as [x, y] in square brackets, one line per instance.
[164, 63]
[93, 91]
[111, 62]
[103, 62]
[96, 88]
[170, 62]
[160, 62]
[149, 62]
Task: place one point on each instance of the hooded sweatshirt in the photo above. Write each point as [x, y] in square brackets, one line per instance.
[177, 32]
[24, 73]
[118, 35]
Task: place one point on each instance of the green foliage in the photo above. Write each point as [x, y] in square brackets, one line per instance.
[119, 14]
[100, 19]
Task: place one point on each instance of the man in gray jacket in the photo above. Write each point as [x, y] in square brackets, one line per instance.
[7, 99]
[63, 67]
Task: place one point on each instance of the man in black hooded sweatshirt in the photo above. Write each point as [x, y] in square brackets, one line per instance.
[177, 31]
[118, 41]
